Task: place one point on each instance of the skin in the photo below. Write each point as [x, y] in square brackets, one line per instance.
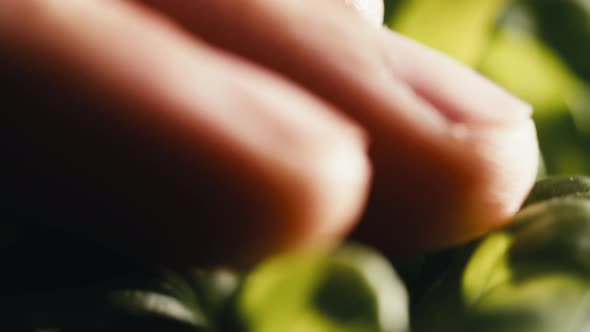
[209, 132]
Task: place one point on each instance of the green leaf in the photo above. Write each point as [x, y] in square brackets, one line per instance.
[565, 26]
[554, 232]
[140, 303]
[524, 65]
[150, 300]
[559, 186]
[351, 290]
[532, 276]
[519, 60]
[460, 28]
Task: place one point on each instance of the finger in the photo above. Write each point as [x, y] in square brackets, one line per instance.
[478, 172]
[467, 98]
[371, 9]
[440, 134]
[125, 130]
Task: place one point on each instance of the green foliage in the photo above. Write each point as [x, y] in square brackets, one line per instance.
[559, 186]
[565, 25]
[391, 7]
[158, 301]
[531, 276]
[458, 27]
[350, 289]
[353, 289]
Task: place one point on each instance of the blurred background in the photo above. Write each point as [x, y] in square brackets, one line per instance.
[537, 49]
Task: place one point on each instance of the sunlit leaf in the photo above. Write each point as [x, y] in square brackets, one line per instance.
[460, 28]
[352, 290]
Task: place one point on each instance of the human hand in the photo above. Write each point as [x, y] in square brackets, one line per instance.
[215, 131]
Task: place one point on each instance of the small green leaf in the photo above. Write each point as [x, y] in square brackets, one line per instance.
[143, 303]
[559, 186]
[351, 290]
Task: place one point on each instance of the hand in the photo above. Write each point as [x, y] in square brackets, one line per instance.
[227, 130]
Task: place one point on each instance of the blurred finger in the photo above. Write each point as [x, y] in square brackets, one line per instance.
[123, 129]
[445, 143]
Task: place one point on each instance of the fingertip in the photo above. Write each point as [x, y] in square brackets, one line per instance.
[507, 163]
[443, 193]
[336, 186]
[317, 189]
[447, 181]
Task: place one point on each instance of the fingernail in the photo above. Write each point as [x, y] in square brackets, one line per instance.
[461, 94]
